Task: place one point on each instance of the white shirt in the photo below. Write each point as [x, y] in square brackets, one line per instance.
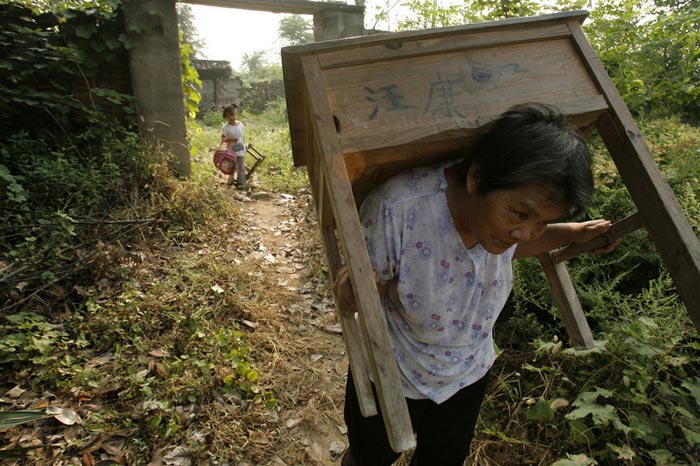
[236, 131]
[443, 299]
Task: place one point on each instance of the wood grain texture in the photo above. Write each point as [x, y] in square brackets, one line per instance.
[448, 95]
[617, 231]
[371, 313]
[568, 303]
[361, 110]
[379, 51]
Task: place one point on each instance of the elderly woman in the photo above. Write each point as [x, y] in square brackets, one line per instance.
[441, 240]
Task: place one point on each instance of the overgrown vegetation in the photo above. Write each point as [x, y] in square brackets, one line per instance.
[82, 203]
[635, 399]
[103, 305]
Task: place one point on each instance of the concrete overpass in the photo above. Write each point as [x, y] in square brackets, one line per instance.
[297, 7]
[154, 59]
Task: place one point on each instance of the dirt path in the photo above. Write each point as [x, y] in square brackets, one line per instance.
[304, 356]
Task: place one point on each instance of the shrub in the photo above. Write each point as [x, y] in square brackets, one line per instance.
[634, 398]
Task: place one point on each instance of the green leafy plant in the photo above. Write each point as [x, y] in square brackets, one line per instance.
[654, 398]
[14, 418]
[190, 80]
[10, 419]
[30, 340]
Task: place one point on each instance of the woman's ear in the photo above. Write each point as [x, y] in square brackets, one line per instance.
[472, 176]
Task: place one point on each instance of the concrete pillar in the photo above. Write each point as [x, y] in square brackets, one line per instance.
[154, 61]
[335, 24]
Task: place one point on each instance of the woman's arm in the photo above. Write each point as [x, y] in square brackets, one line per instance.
[557, 235]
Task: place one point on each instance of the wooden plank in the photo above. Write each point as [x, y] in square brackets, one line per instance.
[450, 95]
[297, 111]
[366, 170]
[663, 216]
[568, 303]
[351, 336]
[291, 58]
[371, 315]
[313, 171]
[320, 191]
[449, 142]
[389, 39]
[353, 342]
[618, 229]
[417, 46]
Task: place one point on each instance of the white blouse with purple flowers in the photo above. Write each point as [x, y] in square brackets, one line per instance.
[442, 299]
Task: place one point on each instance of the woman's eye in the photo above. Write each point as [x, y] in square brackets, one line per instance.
[519, 215]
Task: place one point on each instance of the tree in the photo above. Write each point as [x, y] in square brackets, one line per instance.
[295, 30]
[56, 6]
[185, 21]
[257, 68]
[253, 62]
[430, 14]
[651, 52]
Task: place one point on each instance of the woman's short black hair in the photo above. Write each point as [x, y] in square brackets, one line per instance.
[533, 144]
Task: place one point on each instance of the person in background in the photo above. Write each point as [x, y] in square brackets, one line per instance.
[233, 135]
[441, 240]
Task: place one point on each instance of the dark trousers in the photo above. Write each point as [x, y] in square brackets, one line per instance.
[443, 431]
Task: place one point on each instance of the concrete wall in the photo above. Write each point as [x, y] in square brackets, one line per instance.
[257, 97]
[219, 92]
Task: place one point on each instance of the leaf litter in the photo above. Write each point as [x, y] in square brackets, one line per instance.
[296, 345]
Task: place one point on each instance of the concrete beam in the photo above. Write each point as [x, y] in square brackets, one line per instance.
[297, 7]
[333, 24]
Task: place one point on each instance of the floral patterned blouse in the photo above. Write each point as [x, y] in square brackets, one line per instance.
[442, 299]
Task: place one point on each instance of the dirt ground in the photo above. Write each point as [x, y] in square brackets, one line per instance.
[305, 353]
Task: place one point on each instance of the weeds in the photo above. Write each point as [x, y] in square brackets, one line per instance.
[634, 398]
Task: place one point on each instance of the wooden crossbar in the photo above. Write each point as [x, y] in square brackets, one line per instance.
[663, 216]
[618, 230]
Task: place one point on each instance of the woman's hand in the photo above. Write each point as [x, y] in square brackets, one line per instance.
[344, 294]
[557, 235]
[584, 232]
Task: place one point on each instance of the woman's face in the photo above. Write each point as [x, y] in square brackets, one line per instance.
[500, 219]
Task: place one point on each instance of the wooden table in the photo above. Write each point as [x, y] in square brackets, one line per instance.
[363, 109]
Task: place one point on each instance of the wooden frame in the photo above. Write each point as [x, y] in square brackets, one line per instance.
[363, 109]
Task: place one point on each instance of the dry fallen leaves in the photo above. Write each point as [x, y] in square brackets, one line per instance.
[66, 415]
